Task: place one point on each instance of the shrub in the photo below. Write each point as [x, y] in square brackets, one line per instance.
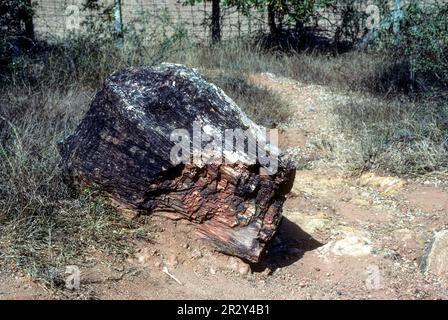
[422, 44]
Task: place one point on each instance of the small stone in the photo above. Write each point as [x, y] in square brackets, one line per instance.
[435, 256]
[267, 272]
[244, 268]
[386, 185]
[196, 254]
[351, 245]
[143, 256]
[309, 224]
[172, 260]
[212, 270]
[233, 264]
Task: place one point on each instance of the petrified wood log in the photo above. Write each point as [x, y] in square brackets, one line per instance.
[124, 147]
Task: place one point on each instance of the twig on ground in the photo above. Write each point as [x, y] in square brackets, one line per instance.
[165, 270]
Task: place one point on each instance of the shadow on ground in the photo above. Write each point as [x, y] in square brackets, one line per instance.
[289, 245]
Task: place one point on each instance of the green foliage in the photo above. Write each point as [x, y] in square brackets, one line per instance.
[351, 25]
[16, 28]
[11, 14]
[423, 40]
[419, 45]
[99, 18]
[303, 10]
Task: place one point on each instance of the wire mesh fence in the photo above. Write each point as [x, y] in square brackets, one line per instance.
[55, 18]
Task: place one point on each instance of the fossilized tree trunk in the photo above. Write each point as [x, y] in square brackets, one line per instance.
[123, 146]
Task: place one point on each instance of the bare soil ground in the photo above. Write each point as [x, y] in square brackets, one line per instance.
[343, 236]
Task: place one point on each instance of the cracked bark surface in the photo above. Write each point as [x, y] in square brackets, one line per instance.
[122, 147]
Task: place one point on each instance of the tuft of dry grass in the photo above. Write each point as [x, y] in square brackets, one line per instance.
[362, 72]
[365, 72]
[42, 227]
[261, 104]
[398, 136]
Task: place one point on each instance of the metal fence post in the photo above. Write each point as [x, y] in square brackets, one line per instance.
[396, 17]
[118, 24]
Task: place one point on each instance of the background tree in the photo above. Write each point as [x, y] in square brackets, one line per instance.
[216, 21]
[16, 29]
[16, 19]
[297, 13]
[215, 18]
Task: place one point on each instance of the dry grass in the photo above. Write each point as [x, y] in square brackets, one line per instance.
[262, 105]
[398, 136]
[353, 71]
[42, 228]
